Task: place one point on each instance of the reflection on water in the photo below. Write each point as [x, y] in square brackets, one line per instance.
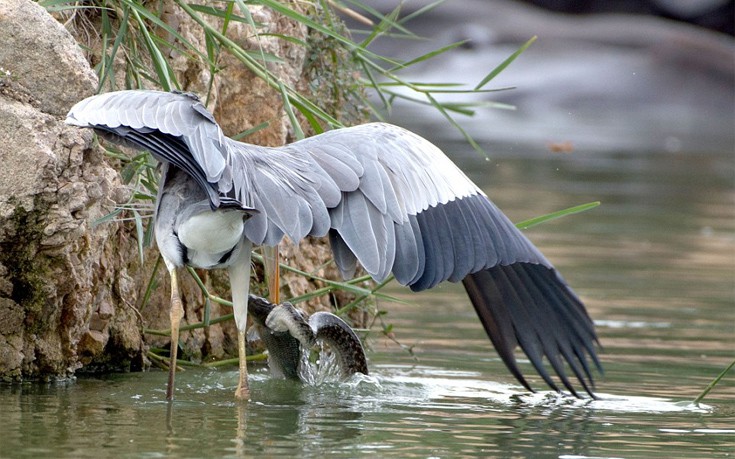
[407, 410]
[654, 263]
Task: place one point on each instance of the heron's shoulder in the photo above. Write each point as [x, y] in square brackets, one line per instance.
[369, 135]
[377, 129]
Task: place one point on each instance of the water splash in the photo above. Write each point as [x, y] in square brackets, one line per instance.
[319, 366]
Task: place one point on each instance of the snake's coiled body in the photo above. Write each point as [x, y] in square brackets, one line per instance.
[284, 330]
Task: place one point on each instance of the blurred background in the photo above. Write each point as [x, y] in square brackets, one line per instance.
[634, 75]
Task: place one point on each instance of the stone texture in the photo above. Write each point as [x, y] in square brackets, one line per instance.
[53, 263]
[51, 88]
[54, 273]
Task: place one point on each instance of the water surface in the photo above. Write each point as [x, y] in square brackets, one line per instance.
[655, 265]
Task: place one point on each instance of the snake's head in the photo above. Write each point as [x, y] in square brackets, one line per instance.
[278, 319]
[286, 318]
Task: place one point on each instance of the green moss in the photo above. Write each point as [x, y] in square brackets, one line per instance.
[333, 74]
[26, 270]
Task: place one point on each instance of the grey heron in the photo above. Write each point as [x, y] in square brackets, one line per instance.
[386, 198]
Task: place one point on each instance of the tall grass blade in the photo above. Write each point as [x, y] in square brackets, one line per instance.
[505, 63]
[420, 11]
[456, 125]
[385, 24]
[429, 55]
[166, 78]
[525, 224]
[140, 234]
[298, 133]
[712, 384]
[251, 131]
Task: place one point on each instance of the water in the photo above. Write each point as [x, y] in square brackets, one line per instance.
[655, 265]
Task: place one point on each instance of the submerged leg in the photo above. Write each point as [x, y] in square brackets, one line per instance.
[242, 392]
[240, 285]
[177, 312]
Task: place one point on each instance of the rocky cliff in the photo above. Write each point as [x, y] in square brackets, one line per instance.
[71, 292]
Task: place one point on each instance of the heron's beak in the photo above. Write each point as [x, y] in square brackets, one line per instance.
[272, 273]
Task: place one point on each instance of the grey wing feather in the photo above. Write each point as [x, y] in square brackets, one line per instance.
[288, 189]
[171, 117]
[383, 175]
[359, 229]
[344, 257]
[409, 251]
[403, 178]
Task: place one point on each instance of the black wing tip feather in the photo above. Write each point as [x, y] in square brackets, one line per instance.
[528, 305]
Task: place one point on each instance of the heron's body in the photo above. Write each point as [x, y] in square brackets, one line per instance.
[188, 232]
[386, 198]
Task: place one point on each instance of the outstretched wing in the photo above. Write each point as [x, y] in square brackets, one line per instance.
[388, 199]
[290, 191]
[407, 209]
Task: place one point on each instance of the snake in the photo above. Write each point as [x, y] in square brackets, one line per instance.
[285, 331]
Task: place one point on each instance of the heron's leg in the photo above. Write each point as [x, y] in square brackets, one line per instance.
[242, 392]
[240, 285]
[177, 312]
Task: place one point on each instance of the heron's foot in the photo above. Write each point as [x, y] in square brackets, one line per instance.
[242, 392]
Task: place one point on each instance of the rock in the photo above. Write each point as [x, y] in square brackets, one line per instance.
[53, 186]
[71, 293]
[52, 189]
[51, 88]
[91, 343]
